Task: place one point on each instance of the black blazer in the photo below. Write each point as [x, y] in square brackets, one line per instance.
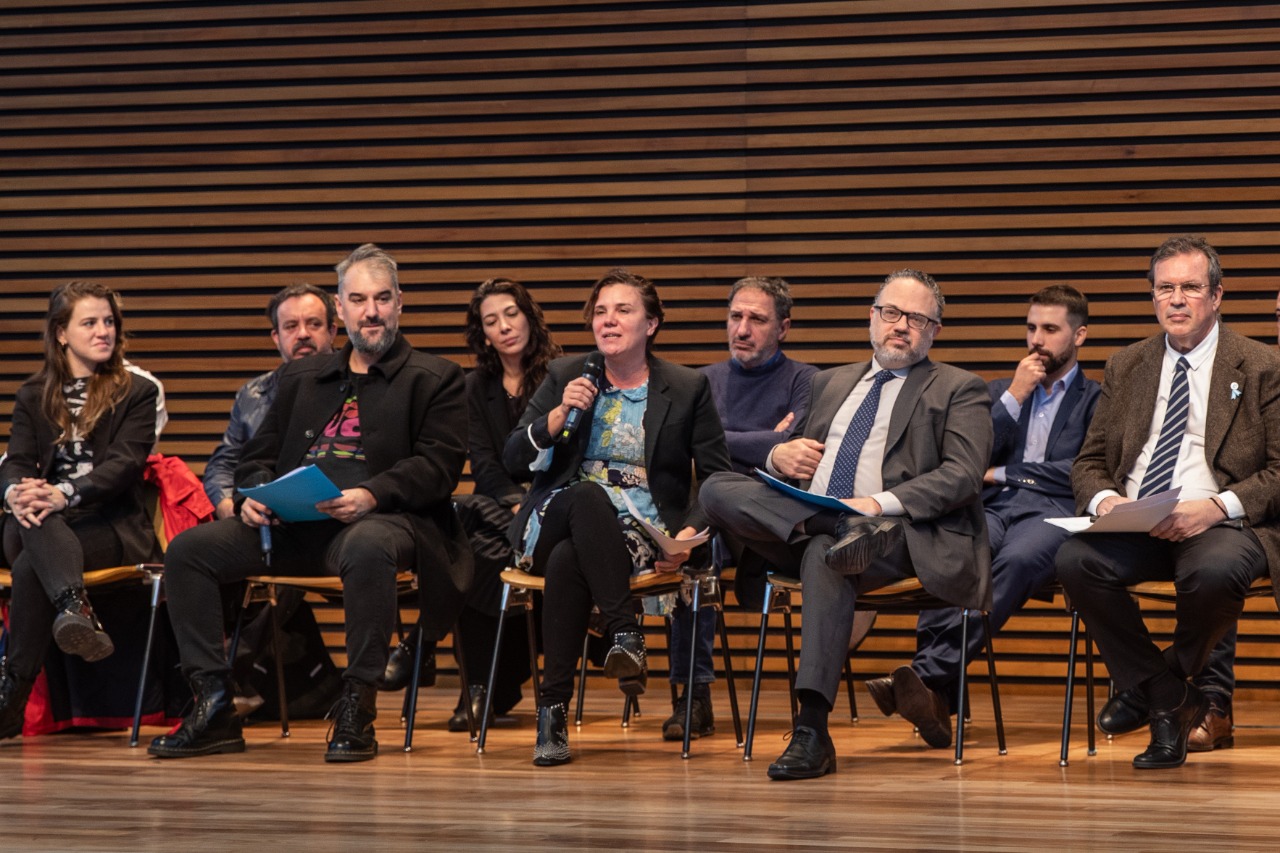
[490, 425]
[682, 435]
[121, 442]
[413, 419]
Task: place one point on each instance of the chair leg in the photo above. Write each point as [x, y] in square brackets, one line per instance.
[995, 686]
[755, 681]
[235, 633]
[582, 682]
[688, 685]
[146, 659]
[493, 671]
[1088, 683]
[962, 689]
[729, 675]
[410, 712]
[277, 648]
[848, 684]
[531, 633]
[1069, 700]
[460, 655]
[791, 662]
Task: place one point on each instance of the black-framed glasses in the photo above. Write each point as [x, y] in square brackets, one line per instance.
[1192, 290]
[892, 314]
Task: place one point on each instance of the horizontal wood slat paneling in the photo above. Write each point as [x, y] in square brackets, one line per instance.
[198, 157]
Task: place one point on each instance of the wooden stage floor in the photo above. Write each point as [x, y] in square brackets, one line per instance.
[627, 790]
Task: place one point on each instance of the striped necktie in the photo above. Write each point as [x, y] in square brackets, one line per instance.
[1159, 476]
[846, 465]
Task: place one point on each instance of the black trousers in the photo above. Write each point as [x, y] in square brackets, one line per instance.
[366, 555]
[46, 561]
[1212, 572]
[584, 558]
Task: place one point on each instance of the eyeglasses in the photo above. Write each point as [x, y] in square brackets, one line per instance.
[891, 314]
[1190, 291]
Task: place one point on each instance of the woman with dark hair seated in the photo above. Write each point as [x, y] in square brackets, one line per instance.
[512, 345]
[72, 485]
[644, 431]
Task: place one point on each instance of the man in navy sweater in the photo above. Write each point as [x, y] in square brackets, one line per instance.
[759, 393]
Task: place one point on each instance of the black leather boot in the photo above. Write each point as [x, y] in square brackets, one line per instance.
[210, 728]
[552, 746]
[13, 702]
[77, 630]
[627, 661]
[351, 736]
[458, 722]
[400, 666]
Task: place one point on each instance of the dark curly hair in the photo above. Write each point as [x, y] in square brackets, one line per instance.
[540, 349]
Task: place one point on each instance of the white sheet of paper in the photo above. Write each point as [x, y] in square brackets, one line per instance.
[665, 542]
[1132, 517]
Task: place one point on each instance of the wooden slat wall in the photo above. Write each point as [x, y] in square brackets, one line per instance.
[200, 156]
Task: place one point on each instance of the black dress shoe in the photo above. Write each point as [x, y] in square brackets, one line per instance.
[703, 721]
[211, 727]
[881, 690]
[627, 662]
[458, 722]
[923, 707]
[76, 628]
[809, 755]
[352, 737]
[400, 667]
[13, 702]
[552, 746]
[1124, 712]
[859, 540]
[1170, 730]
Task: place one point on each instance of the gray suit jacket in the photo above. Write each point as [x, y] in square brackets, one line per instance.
[936, 452]
[1242, 435]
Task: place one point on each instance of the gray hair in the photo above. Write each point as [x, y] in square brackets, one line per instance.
[775, 288]
[921, 277]
[376, 256]
[1187, 244]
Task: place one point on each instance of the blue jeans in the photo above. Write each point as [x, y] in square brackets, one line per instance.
[704, 671]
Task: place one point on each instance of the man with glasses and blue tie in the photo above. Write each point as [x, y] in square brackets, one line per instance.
[903, 443]
[1197, 407]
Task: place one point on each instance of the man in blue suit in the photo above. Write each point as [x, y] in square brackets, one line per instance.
[1040, 417]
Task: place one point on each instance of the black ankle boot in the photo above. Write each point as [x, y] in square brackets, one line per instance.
[351, 737]
[552, 747]
[76, 629]
[458, 722]
[13, 702]
[627, 662]
[400, 666]
[211, 727]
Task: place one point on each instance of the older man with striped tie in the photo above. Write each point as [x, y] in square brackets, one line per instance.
[902, 443]
[1197, 407]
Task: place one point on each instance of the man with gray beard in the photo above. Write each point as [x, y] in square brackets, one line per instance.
[396, 475]
[903, 442]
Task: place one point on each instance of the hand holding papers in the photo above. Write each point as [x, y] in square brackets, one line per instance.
[668, 544]
[1129, 517]
[824, 501]
[294, 496]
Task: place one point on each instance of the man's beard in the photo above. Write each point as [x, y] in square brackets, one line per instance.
[893, 359]
[374, 345]
[1052, 363]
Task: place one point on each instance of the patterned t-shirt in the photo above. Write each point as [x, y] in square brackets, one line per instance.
[339, 450]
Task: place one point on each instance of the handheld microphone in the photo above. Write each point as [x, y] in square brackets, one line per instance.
[592, 370]
[264, 538]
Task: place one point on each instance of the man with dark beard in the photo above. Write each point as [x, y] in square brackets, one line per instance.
[388, 425]
[902, 442]
[1040, 417]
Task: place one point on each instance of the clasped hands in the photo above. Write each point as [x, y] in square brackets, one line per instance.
[32, 499]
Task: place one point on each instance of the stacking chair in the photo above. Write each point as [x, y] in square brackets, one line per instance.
[1162, 591]
[904, 596]
[265, 587]
[517, 593]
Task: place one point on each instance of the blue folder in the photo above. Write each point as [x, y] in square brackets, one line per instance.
[294, 496]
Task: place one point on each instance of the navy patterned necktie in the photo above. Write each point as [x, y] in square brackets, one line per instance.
[846, 466]
[1159, 476]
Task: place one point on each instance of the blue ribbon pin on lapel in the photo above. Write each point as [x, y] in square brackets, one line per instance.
[1235, 390]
